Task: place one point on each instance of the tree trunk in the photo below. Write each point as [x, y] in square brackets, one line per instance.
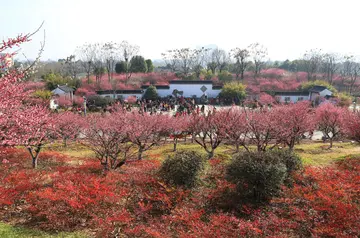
[35, 155]
[65, 142]
[237, 148]
[34, 162]
[331, 143]
[140, 151]
[175, 144]
[210, 154]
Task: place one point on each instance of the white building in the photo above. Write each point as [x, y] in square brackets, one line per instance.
[188, 88]
[121, 94]
[313, 94]
[64, 90]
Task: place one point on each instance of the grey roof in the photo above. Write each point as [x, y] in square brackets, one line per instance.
[65, 88]
[291, 93]
[125, 91]
[156, 86]
[191, 82]
[317, 89]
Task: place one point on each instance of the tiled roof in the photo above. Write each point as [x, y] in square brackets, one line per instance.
[65, 88]
[125, 91]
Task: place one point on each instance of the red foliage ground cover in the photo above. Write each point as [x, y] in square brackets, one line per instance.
[64, 195]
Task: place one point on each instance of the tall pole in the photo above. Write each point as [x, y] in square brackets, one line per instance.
[84, 106]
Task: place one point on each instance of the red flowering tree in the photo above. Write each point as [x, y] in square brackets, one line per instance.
[146, 131]
[330, 121]
[107, 136]
[12, 89]
[260, 124]
[63, 101]
[266, 99]
[291, 122]
[177, 129]
[32, 127]
[208, 130]
[67, 126]
[352, 125]
[236, 128]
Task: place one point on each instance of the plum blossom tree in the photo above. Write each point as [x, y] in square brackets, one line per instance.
[20, 124]
[266, 99]
[177, 129]
[146, 131]
[32, 127]
[67, 126]
[291, 122]
[330, 121]
[208, 130]
[260, 124]
[107, 136]
[352, 125]
[235, 128]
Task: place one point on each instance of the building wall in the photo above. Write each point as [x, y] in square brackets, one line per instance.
[190, 90]
[325, 92]
[59, 92]
[292, 98]
[124, 96]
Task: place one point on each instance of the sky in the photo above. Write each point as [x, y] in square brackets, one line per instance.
[286, 27]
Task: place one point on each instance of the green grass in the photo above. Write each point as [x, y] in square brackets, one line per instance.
[315, 153]
[8, 231]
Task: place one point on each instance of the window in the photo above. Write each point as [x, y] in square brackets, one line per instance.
[300, 99]
[287, 99]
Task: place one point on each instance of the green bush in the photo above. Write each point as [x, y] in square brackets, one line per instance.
[99, 101]
[182, 168]
[291, 160]
[258, 175]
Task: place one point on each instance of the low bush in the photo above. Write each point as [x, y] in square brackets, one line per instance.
[257, 175]
[182, 168]
[292, 162]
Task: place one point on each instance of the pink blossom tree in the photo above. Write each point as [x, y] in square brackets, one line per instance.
[260, 124]
[352, 125]
[291, 122]
[208, 130]
[146, 131]
[330, 121]
[107, 136]
[177, 129]
[32, 127]
[68, 126]
[236, 128]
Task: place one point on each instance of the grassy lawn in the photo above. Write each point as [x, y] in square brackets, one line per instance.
[8, 231]
[314, 153]
[317, 154]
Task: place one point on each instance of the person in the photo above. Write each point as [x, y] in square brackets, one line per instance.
[202, 109]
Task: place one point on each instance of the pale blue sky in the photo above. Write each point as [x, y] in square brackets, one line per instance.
[287, 27]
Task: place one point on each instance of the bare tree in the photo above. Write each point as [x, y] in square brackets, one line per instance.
[241, 57]
[331, 63]
[127, 52]
[110, 53]
[312, 61]
[86, 53]
[258, 53]
[200, 61]
[98, 64]
[70, 67]
[350, 71]
[170, 61]
[185, 59]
